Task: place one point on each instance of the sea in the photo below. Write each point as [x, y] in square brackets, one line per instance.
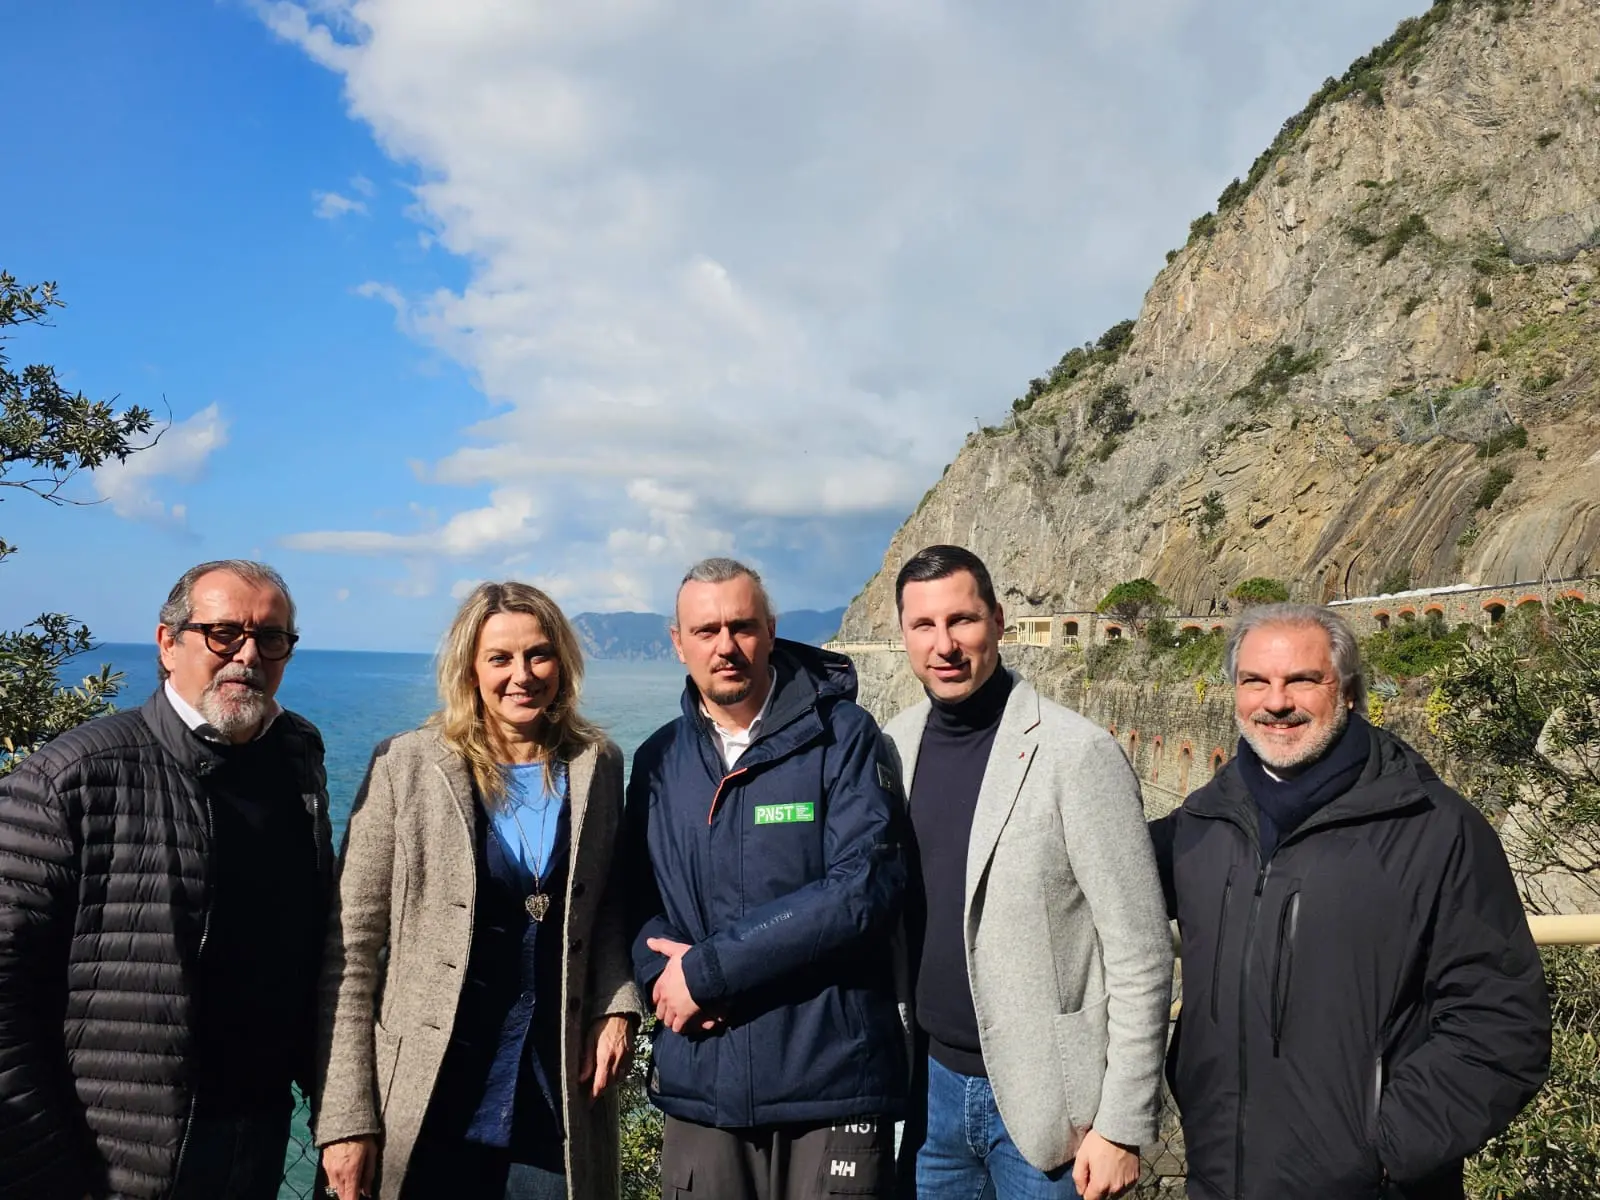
[359, 698]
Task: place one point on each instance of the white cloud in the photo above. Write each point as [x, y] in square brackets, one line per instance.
[330, 206]
[742, 276]
[507, 520]
[180, 453]
[362, 185]
[342, 595]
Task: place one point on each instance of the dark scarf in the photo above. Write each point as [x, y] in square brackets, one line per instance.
[1284, 805]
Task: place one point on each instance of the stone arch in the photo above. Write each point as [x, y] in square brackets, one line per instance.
[1572, 594]
[1382, 618]
[1070, 630]
[1216, 629]
[1433, 610]
[1192, 630]
[1112, 729]
[1496, 609]
[1113, 633]
[1218, 759]
[1407, 614]
[1527, 600]
[1155, 758]
[1185, 761]
[1133, 749]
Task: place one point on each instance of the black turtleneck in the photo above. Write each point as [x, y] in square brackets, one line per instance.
[944, 795]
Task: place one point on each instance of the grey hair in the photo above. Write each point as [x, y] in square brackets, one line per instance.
[723, 570]
[179, 606]
[1342, 639]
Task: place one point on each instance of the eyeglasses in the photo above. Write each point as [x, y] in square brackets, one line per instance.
[225, 638]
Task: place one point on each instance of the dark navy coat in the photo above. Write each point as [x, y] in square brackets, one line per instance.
[786, 875]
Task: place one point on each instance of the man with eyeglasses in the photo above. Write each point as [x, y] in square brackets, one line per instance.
[163, 894]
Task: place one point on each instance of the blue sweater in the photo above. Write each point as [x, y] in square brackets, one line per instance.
[500, 1082]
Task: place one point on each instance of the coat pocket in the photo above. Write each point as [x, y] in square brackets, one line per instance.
[1081, 1045]
[385, 1057]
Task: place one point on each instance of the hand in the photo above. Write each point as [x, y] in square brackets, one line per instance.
[1104, 1169]
[350, 1166]
[675, 1007]
[606, 1052]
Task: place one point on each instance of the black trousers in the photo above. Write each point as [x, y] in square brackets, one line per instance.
[777, 1162]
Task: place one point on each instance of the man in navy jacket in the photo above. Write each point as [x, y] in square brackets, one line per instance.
[766, 825]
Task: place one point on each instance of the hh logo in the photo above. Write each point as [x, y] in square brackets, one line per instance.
[843, 1167]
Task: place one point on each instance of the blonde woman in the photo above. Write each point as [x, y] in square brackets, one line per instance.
[477, 997]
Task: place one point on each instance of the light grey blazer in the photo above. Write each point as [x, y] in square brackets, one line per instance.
[1068, 948]
[400, 934]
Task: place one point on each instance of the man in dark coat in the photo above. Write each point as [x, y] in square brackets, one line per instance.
[1363, 1005]
[766, 825]
[163, 882]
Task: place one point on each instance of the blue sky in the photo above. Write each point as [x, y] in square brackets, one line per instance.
[579, 292]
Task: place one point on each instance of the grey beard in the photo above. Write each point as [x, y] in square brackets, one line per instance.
[234, 714]
[1304, 757]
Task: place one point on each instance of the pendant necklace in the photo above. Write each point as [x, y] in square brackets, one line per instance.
[537, 902]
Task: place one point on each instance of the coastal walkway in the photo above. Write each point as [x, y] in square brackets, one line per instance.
[1472, 603]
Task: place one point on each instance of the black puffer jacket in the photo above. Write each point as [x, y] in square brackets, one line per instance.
[1367, 1001]
[103, 900]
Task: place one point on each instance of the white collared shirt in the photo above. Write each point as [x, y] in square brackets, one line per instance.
[191, 716]
[734, 742]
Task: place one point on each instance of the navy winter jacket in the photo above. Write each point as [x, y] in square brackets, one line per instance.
[786, 875]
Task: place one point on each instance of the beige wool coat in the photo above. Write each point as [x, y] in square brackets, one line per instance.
[399, 934]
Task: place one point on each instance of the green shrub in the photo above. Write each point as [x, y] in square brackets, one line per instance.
[1411, 306]
[1543, 381]
[1212, 513]
[1133, 599]
[1397, 580]
[1395, 240]
[1260, 590]
[1361, 236]
[1482, 299]
[1409, 649]
[1116, 339]
[1159, 631]
[1514, 438]
[1202, 227]
[1111, 412]
[1272, 378]
[1548, 136]
[1085, 485]
[1493, 484]
[1484, 345]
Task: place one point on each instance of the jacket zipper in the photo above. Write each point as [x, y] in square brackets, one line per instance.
[1283, 968]
[205, 933]
[1222, 937]
[1244, 990]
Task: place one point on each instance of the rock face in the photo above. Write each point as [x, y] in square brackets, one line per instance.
[1378, 359]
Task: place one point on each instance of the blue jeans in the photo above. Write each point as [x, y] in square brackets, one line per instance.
[233, 1158]
[968, 1155]
[467, 1171]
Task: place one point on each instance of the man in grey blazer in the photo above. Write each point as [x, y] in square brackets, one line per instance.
[1045, 965]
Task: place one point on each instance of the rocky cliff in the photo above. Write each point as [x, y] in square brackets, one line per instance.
[1375, 361]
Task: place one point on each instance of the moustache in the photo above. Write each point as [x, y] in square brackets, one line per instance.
[239, 673]
[1294, 718]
